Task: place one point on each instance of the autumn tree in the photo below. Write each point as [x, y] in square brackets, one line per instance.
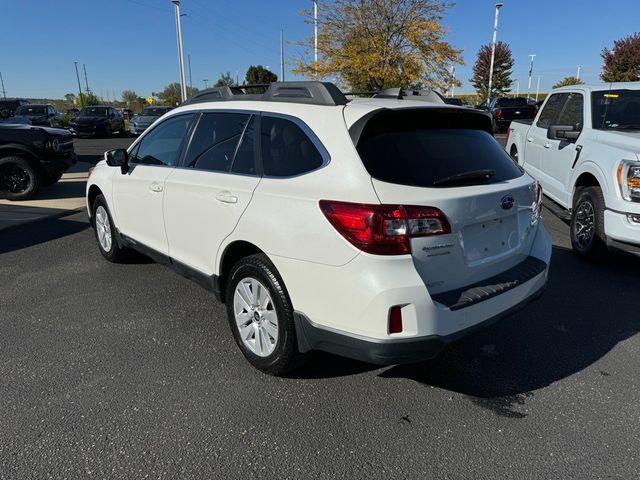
[171, 95]
[502, 65]
[373, 45]
[570, 80]
[622, 63]
[225, 79]
[129, 96]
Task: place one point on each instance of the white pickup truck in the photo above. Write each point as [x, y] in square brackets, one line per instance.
[584, 149]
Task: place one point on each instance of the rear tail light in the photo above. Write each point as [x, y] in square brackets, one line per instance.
[395, 319]
[536, 208]
[384, 229]
[499, 114]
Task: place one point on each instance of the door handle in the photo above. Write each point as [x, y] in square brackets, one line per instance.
[226, 197]
[547, 145]
[529, 139]
[155, 187]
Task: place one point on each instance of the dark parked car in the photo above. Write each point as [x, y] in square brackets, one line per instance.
[32, 157]
[504, 110]
[453, 101]
[147, 116]
[9, 105]
[97, 120]
[44, 115]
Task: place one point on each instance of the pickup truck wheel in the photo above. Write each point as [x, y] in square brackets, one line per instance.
[587, 224]
[514, 153]
[261, 315]
[105, 231]
[19, 178]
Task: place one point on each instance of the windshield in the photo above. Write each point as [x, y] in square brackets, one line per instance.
[616, 109]
[30, 110]
[153, 112]
[431, 148]
[93, 112]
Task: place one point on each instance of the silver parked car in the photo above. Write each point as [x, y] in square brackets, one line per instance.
[147, 116]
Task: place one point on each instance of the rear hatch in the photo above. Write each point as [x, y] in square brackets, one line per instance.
[514, 109]
[447, 159]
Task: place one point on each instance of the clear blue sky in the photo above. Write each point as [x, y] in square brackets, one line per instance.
[131, 44]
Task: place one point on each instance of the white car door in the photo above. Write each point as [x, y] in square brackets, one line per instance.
[537, 143]
[557, 162]
[138, 194]
[205, 198]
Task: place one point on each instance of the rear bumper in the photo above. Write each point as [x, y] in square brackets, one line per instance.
[392, 351]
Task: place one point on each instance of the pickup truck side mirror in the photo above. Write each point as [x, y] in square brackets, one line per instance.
[118, 158]
[568, 133]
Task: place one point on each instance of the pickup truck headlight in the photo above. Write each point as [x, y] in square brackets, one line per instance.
[629, 180]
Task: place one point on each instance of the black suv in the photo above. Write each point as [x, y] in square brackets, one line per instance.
[9, 105]
[98, 120]
[31, 157]
[39, 114]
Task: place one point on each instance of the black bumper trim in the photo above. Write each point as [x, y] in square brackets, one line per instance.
[490, 287]
[623, 246]
[391, 351]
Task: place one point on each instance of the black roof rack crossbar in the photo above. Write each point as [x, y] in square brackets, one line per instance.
[311, 93]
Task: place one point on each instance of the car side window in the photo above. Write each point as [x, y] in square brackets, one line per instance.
[215, 141]
[162, 145]
[286, 149]
[551, 110]
[572, 113]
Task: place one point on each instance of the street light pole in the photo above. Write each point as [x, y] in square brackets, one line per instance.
[281, 56]
[538, 88]
[4, 93]
[517, 88]
[79, 87]
[205, 82]
[190, 77]
[578, 72]
[493, 50]
[533, 55]
[183, 81]
[315, 35]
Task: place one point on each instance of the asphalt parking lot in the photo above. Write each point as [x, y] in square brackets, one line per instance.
[130, 371]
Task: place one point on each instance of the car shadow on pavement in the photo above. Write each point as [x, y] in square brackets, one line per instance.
[585, 312]
[37, 232]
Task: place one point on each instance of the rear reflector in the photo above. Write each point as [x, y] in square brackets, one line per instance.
[395, 319]
[384, 229]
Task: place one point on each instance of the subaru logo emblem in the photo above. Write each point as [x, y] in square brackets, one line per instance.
[507, 202]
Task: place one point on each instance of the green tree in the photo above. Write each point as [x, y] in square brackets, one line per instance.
[129, 96]
[373, 45]
[622, 63]
[87, 99]
[502, 65]
[225, 79]
[570, 80]
[171, 95]
[259, 75]
[70, 98]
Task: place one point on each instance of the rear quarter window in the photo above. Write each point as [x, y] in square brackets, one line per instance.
[421, 147]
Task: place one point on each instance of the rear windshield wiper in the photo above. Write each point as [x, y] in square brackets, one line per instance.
[469, 178]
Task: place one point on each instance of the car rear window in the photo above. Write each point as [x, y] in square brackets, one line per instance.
[423, 148]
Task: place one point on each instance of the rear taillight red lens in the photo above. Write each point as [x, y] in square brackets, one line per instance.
[384, 229]
[499, 113]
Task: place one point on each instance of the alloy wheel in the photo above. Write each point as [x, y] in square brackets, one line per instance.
[103, 229]
[14, 178]
[255, 317]
[585, 224]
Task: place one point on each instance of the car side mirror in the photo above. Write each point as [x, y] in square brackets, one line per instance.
[568, 133]
[118, 158]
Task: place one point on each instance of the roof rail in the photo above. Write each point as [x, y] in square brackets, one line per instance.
[310, 93]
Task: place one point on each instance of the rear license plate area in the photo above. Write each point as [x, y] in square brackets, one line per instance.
[490, 238]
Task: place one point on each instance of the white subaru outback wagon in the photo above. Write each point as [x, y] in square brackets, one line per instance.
[379, 229]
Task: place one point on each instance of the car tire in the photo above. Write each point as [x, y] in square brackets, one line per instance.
[587, 224]
[105, 231]
[20, 179]
[260, 314]
[514, 154]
